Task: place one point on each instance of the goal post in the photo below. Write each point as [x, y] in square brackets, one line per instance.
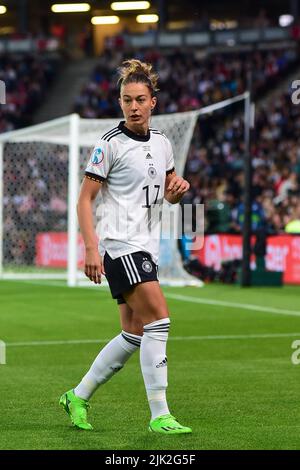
[1, 208]
[73, 189]
[41, 167]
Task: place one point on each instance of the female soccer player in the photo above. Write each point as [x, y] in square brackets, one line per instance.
[134, 167]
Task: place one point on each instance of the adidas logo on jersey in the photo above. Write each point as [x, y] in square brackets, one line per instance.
[148, 155]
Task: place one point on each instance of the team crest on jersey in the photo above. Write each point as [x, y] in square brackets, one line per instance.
[97, 157]
[147, 266]
[152, 172]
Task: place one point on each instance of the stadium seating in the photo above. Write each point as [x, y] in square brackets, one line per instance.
[214, 166]
[187, 80]
[215, 159]
[215, 169]
[27, 77]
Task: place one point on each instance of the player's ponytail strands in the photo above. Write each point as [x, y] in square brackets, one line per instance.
[135, 71]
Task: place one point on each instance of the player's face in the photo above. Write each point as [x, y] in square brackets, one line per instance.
[136, 103]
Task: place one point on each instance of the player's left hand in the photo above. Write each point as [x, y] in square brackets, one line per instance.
[178, 186]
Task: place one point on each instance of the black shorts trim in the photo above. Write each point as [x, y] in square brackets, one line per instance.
[128, 270]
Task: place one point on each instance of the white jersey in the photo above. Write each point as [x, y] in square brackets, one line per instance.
[132, 169]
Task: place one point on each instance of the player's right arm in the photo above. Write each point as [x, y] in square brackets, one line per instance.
[97, 170]
[93, 267]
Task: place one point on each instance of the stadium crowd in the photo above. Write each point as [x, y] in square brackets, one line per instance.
[27, 78]
[215, 163]
[35, 199]
[188, 80]
[215, 169]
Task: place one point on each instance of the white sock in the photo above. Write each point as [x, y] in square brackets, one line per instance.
[109, 361]
[154, 365]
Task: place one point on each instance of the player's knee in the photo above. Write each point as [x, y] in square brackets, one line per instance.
[158, 311]
[154, 314]
[135, 328]
[136, 325]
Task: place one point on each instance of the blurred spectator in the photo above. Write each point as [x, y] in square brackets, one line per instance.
[27, 78]
[59, 31]
[257, 216]
[35, 198]
[86, 41]
[262, 21]
[221, 214]
[275, 159]
[293, 226]
[186, 81]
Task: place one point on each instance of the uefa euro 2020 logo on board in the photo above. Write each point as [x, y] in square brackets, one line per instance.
[2, 92]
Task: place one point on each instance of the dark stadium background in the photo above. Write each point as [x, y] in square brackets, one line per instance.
[33, 12]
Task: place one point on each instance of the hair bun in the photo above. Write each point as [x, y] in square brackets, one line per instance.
[135, 71]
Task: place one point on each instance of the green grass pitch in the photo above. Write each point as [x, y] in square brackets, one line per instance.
[231, 377]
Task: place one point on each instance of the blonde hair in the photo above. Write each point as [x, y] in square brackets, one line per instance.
[135, 71]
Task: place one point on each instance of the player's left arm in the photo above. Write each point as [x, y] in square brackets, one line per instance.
[175, 187]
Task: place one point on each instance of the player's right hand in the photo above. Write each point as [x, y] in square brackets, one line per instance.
[93, 267]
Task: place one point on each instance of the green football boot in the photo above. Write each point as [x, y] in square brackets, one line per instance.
[167, 424]
[77, 409]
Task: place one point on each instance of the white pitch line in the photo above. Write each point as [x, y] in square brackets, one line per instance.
[65, 286]
[223, 303]
[171, 338]
[59, 342]
[197, 300]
